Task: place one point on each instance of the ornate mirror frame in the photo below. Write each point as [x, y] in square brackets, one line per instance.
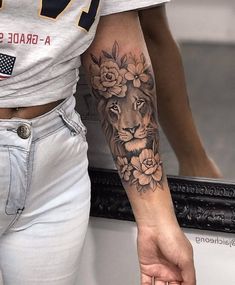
[205, 204]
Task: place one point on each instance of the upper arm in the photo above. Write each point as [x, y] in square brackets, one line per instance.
[124, 28]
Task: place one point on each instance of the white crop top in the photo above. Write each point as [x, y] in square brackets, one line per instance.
[41, 43]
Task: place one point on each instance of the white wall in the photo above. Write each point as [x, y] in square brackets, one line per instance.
[207, 20]
[109, 256]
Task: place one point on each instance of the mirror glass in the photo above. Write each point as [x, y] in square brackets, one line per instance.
[210, 76]
[205, 32]
[207, 47]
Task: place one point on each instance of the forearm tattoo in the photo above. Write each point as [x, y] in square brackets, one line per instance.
[124, 87]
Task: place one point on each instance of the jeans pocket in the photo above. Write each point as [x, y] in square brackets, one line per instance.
[74, 123]
[13, 180]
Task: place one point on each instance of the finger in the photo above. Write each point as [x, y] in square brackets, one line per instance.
[164, 272]
[146, 279]
[159, 282]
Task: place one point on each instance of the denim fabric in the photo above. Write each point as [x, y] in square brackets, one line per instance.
[44, 197]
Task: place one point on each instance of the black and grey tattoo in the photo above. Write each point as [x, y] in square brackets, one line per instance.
[124, 87]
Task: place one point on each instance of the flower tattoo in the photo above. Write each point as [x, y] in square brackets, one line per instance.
[145, 169]
[148, 170]
[109, 79]
[124, 168]
[136, 73]
[110, 75]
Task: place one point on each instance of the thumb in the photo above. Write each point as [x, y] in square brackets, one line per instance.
[188, 274]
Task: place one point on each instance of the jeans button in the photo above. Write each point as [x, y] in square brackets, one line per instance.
[24, 131]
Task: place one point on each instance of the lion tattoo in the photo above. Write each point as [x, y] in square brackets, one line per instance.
[129, 122]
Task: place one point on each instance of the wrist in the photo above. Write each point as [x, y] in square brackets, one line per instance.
[157, 216]
[153, 209]
[168, 228]
[158, 223]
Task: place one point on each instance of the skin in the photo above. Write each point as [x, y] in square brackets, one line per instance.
[164, 251]
[175, 115]
[27, 112]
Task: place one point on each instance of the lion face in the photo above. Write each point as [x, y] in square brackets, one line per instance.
[131, 119]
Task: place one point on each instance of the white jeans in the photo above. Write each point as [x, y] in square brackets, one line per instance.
[44, 197]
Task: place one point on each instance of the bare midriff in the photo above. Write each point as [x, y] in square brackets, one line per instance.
[27, 112]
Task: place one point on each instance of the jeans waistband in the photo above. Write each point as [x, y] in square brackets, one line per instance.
[29, 130]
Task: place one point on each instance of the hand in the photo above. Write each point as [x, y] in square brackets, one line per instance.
[166, 254]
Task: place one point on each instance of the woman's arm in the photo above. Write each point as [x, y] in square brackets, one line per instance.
[120, 73]
[175, 115]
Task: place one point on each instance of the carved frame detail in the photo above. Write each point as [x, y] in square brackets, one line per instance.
[199, 203]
